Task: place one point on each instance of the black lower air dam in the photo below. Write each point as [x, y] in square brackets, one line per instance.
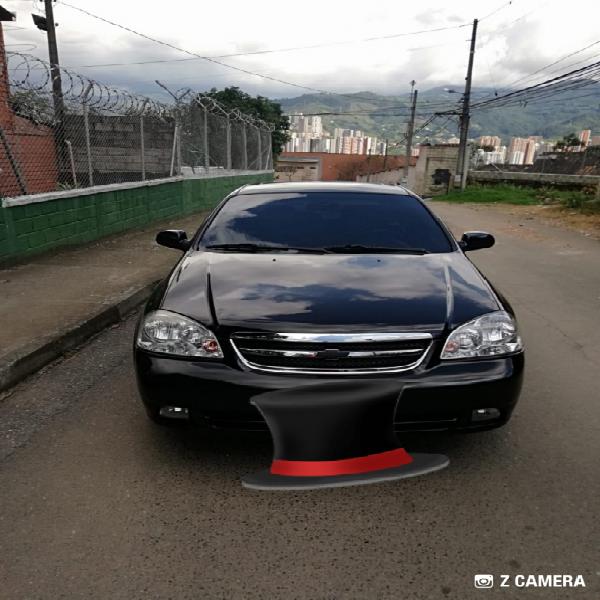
[336, 434]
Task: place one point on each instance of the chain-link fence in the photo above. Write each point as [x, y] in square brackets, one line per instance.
[92, 134]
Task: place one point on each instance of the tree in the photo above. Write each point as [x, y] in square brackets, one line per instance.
[568, 140]
[259, 106]
[31, 105]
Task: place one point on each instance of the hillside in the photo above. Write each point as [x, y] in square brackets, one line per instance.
[551, 118]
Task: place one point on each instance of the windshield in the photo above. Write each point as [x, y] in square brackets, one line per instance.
[324, 220]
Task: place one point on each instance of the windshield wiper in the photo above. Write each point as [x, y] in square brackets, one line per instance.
[359, 249]
[248, 247]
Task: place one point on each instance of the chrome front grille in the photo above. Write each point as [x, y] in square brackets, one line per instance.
[331, 353]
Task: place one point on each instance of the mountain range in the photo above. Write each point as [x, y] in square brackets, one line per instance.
[386, 116]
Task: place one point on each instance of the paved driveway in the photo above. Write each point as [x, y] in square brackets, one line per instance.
[98, 503]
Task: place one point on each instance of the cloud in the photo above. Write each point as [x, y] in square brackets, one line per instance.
[511, 43]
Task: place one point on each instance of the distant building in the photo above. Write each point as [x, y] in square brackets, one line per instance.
[307, 125]
[530, 152]
[308, 136]
[585, 137]
[544, 148]
[493, 157]
[492, 141]
[521, 151]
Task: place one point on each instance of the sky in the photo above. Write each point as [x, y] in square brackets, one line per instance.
[514, 40]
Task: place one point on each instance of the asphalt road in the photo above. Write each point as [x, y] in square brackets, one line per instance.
[96, 502]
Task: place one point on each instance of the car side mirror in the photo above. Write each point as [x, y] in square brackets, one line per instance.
[173, 238]
[475, 240]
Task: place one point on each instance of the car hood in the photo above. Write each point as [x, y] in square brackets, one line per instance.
[337, 292]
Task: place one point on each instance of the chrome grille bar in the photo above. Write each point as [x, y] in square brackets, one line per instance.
[331, 353]
[310, 353]
[340, 338]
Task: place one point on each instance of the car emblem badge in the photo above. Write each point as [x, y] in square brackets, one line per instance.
[331, 354]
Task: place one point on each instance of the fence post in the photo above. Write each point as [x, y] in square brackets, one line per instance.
[206, 155]
[86, 128]
[142, 148]
[13, 162]
[245, 146]
[270, 155]
[72, 162]
[173, 150]
[179, 150]
[259, 149]
[88, 146]
[228, 162]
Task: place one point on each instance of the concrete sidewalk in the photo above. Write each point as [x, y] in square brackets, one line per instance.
[56, 301]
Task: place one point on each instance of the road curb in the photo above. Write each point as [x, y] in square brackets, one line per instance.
[30, 359]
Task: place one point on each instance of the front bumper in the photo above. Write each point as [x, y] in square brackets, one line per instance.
[441, 397]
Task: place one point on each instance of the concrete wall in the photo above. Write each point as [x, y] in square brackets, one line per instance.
[431, 158]
[115, 142]
[33, 224]
[289, 168]
[391, 177]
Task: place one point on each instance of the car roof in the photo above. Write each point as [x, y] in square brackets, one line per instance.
[323, 186]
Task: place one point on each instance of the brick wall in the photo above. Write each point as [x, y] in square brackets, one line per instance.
[25, 147]
[73, 218]
[345, 167]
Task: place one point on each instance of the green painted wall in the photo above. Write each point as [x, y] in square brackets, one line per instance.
[35, 228]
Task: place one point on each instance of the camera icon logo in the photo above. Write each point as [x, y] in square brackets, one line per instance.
[484, 581]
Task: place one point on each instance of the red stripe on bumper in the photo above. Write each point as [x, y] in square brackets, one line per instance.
[346, 466]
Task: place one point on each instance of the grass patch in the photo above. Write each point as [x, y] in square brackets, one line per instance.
[583, 200]
[493, 194]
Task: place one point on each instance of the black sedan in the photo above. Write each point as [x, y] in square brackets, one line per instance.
[291, 284]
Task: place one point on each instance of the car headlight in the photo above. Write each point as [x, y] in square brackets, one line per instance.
[169, 333]
[493, 334]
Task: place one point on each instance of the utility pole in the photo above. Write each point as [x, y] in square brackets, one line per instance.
[49, 26]
[385, 153]
[410, 132]
[59, 107]
[462, 163]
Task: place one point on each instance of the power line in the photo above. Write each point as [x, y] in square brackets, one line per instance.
[553, 86]
[589, 94]
[545, 67]
[377, 109]
[572, 80]
[502, 7]
[288, 49]
[536, 9]
[206, 58]
[213, 60]
[506, 26]
[183, 60]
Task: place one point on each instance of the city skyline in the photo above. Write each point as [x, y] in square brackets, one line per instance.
[308, 135]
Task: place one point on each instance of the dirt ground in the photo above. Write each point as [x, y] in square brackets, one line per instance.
[557, 216]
